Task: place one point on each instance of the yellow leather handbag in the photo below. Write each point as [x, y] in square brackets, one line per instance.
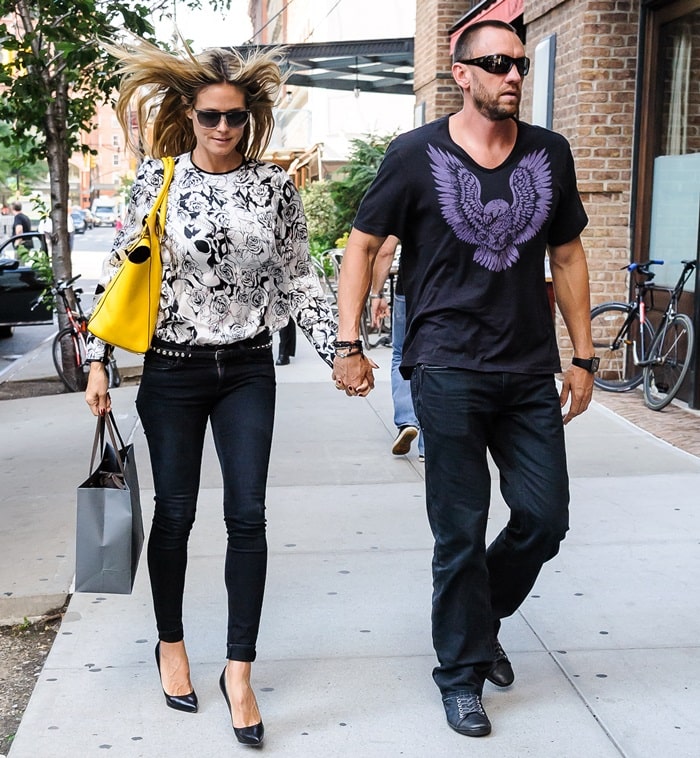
[126, 314]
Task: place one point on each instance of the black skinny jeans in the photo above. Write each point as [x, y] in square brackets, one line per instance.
[176, 399]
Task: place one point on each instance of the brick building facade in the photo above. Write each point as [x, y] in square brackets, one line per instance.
[613, 99]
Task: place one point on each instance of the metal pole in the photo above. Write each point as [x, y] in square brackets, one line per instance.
[695, 367]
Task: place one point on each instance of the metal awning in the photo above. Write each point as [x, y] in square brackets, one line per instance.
[501, 10]
[380, 65]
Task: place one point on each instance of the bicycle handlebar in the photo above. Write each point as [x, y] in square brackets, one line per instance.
[60, 286]
[644, 267]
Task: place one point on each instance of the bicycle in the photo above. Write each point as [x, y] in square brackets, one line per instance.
[73, 336]
[632, 352]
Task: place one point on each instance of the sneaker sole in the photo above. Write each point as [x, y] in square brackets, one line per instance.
[480, 732]
[402, 444]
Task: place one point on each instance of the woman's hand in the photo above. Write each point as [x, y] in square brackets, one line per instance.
[97, 394]
[354, 374]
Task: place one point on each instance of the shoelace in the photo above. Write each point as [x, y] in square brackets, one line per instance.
[500, 652]
[469, 703]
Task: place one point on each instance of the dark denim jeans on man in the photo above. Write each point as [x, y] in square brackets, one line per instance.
[518, 419]
[176, 399]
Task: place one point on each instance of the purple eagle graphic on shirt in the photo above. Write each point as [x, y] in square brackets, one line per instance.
[497, 227]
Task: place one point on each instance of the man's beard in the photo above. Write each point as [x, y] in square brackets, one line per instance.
[490, 107]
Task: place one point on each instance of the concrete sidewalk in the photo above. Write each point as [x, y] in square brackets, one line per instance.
[606, 650]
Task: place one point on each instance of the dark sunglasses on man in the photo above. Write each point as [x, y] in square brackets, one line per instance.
[499, 64]
[211, 119]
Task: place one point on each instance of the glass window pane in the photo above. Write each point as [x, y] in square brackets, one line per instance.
[680, 52]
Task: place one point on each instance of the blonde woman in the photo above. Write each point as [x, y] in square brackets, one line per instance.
[235, 267]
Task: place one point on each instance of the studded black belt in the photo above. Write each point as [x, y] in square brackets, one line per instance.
[261, 341]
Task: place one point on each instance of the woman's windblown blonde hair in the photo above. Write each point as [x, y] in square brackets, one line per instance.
[160, 87]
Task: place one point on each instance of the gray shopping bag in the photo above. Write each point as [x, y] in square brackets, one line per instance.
[109, 525]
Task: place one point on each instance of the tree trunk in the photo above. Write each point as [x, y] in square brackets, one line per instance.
[61, 264]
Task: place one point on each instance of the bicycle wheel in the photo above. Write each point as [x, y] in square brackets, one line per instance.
[617, 335]
[67, 342]
[669, 355]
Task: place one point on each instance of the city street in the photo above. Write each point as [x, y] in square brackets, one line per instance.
[88, 254]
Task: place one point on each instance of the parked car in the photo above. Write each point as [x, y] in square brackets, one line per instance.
[21, 289]
[79, 222]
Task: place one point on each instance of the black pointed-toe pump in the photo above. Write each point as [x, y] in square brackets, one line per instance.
[187, 703]
[246, 735]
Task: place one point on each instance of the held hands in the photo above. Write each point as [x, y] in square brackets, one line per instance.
[577, 385]
[96, 394]
[354, 374]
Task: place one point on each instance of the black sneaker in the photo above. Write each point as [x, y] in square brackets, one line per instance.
[465, 714]
[501, 673]
[402, 443]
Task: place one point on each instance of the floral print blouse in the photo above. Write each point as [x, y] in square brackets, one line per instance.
[235, 256]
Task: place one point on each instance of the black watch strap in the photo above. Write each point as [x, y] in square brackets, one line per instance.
[590, 364]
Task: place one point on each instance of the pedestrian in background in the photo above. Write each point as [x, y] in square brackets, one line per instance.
[21, 225]
[288, 343]
[407, 426]
[46, 228]
[476, 198]
[235, 267]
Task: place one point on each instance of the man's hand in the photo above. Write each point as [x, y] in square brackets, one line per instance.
[97, 394]
[380, 310]
[577, 385]
[354, 374]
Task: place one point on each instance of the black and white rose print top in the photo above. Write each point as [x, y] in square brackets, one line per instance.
[235, 256]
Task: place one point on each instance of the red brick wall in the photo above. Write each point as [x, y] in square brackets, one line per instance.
[594, 95]
[434, 85]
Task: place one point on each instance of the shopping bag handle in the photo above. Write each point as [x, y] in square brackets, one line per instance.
[99, 441]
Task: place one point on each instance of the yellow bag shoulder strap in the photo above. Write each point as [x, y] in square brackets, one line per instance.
[156, 216]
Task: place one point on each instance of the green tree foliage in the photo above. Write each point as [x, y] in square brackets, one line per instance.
[361, 168]
[321, 212]
[54, 75]
[17, 171]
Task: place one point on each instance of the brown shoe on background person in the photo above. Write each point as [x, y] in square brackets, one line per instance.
[402, 443]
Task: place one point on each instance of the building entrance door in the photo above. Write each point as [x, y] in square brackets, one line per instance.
[668, 209]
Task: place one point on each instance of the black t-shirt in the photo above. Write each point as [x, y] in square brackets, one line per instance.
[473, 242]
[22, 220]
